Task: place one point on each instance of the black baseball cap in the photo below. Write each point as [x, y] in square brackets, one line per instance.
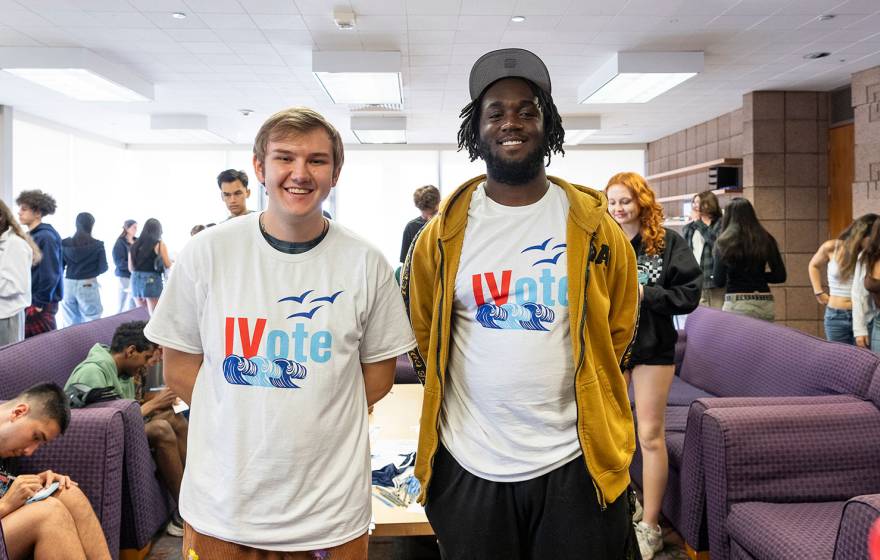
[508, 63]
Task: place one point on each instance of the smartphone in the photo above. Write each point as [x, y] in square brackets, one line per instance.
[44, 493]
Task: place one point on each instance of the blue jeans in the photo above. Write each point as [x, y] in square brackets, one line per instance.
[838, 325]
[82, 301]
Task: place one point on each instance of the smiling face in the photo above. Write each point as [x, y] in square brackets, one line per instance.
[298, 174]
[22, 432]
[511, 130]
[622, 205]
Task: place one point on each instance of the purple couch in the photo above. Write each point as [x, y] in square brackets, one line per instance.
[727, 361]
[105, 448]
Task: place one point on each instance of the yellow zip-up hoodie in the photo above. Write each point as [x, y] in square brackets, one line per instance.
[603, 308]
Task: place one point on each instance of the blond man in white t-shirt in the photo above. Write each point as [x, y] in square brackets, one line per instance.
[280, 329]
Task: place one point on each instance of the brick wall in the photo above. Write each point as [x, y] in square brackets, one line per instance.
[785, 175]
[866, 107]
[721, 137]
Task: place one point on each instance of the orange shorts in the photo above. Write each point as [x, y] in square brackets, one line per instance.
[197, 546]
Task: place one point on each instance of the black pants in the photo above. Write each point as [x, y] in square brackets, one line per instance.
[553, 516]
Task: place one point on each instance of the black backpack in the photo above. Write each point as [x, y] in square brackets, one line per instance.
[81, 396]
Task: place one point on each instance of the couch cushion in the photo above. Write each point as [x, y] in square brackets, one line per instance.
[785, 531]
[732, 355]
[682, 393]
[676, 418]
[675, 448]
[874, 389]
[859, 515]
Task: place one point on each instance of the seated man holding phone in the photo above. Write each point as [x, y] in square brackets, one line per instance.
[43, 513]
[117, 367]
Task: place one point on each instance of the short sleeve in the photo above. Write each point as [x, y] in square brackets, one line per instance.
[175, 321]
[387, 333]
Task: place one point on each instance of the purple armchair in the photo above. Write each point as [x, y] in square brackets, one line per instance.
[104, 442]
[789, 481]
[729, 361]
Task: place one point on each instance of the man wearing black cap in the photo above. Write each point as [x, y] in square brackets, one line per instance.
[523, 297]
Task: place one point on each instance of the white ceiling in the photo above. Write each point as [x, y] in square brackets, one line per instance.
[256, 54]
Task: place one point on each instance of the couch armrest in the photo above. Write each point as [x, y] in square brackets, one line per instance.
[859, 514]
[90, 452]
[787, 453]
[693, 493]
[145, 502]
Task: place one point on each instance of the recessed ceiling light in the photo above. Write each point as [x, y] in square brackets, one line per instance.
[245, 112]
[826, 17]
[815, 55]
[178, 15]
[517, 19]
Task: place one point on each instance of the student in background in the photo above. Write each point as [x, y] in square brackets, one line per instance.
[47, 277]
[18, 253]
[840, 256]
[427, 200]
[743, 252]
[120, 259]
[62, 526]
[118, 366]
[84, 259]
[147, 260]
[866, 292]
[669, 284]
[526, 431]
[700, 234]
[234, 192]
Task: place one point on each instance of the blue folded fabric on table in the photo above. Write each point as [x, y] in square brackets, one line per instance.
[385, 475]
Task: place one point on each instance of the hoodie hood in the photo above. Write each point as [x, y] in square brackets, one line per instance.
[586, 211]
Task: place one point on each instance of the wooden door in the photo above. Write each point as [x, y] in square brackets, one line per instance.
[841, 170]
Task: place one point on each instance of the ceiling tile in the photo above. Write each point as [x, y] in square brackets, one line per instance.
[378, 7]
[215, 6]
[433, 22]
[207, 48]
[544, 7]
[431, 37]
[433, 7]
[270, 6]
[278, 37]
[488, 7]
[193, 35]
[71, 18]
[228, 21]
[247, 35]
[163, 20]
[381, 24]
[12, 38]
[50, 36]
[22, 18]
[319, 7]
[122, 19]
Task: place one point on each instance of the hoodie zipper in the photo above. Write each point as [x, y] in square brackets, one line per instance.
[599, 495]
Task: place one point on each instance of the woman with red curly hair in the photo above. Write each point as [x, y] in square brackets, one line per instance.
[670, 281]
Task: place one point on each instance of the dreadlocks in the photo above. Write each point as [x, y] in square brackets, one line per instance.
[554, 134]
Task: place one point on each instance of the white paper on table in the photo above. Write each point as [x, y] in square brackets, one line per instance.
[385, 452]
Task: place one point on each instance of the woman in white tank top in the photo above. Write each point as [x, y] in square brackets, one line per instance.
[840, 256]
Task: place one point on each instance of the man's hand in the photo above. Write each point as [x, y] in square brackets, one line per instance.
[21, 490]
[862, 341]
[64, 482]
[162, 401]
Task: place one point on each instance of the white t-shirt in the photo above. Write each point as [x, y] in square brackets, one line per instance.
[278, 452]
[509, 410]
[698, 242]
[15, 274]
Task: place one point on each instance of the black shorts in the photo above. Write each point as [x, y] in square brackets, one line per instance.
[556, 516]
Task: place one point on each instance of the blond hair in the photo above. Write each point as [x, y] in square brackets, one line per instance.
[293, 122]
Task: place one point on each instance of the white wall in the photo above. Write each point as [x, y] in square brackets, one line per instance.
[178, 185]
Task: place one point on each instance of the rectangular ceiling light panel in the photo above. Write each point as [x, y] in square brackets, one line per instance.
[75, 72]
[636, 77]
[379, 130]
[577, 129]
[359, 77]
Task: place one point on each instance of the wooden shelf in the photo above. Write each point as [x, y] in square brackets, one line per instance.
[689, 196]
[731, 162]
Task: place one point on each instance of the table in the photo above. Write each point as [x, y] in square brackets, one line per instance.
[397, 416]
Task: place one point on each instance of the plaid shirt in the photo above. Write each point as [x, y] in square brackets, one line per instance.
[707, 258]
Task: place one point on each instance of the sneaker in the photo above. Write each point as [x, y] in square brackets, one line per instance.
[637, 514]
[174, 528]
[650, 540]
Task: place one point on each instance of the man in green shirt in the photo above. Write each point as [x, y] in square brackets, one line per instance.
[118, 366]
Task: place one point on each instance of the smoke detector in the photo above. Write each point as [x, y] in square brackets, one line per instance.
[344, 19]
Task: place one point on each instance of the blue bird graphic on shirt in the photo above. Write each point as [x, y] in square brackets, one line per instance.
[307, 314]
[538, 247]
[550, 261]
[331, 298]
[298, 299]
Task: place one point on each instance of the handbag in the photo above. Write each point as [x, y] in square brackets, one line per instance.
[80, 395]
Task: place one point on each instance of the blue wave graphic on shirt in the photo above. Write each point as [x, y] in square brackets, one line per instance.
[262, 372]
[512, 316]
